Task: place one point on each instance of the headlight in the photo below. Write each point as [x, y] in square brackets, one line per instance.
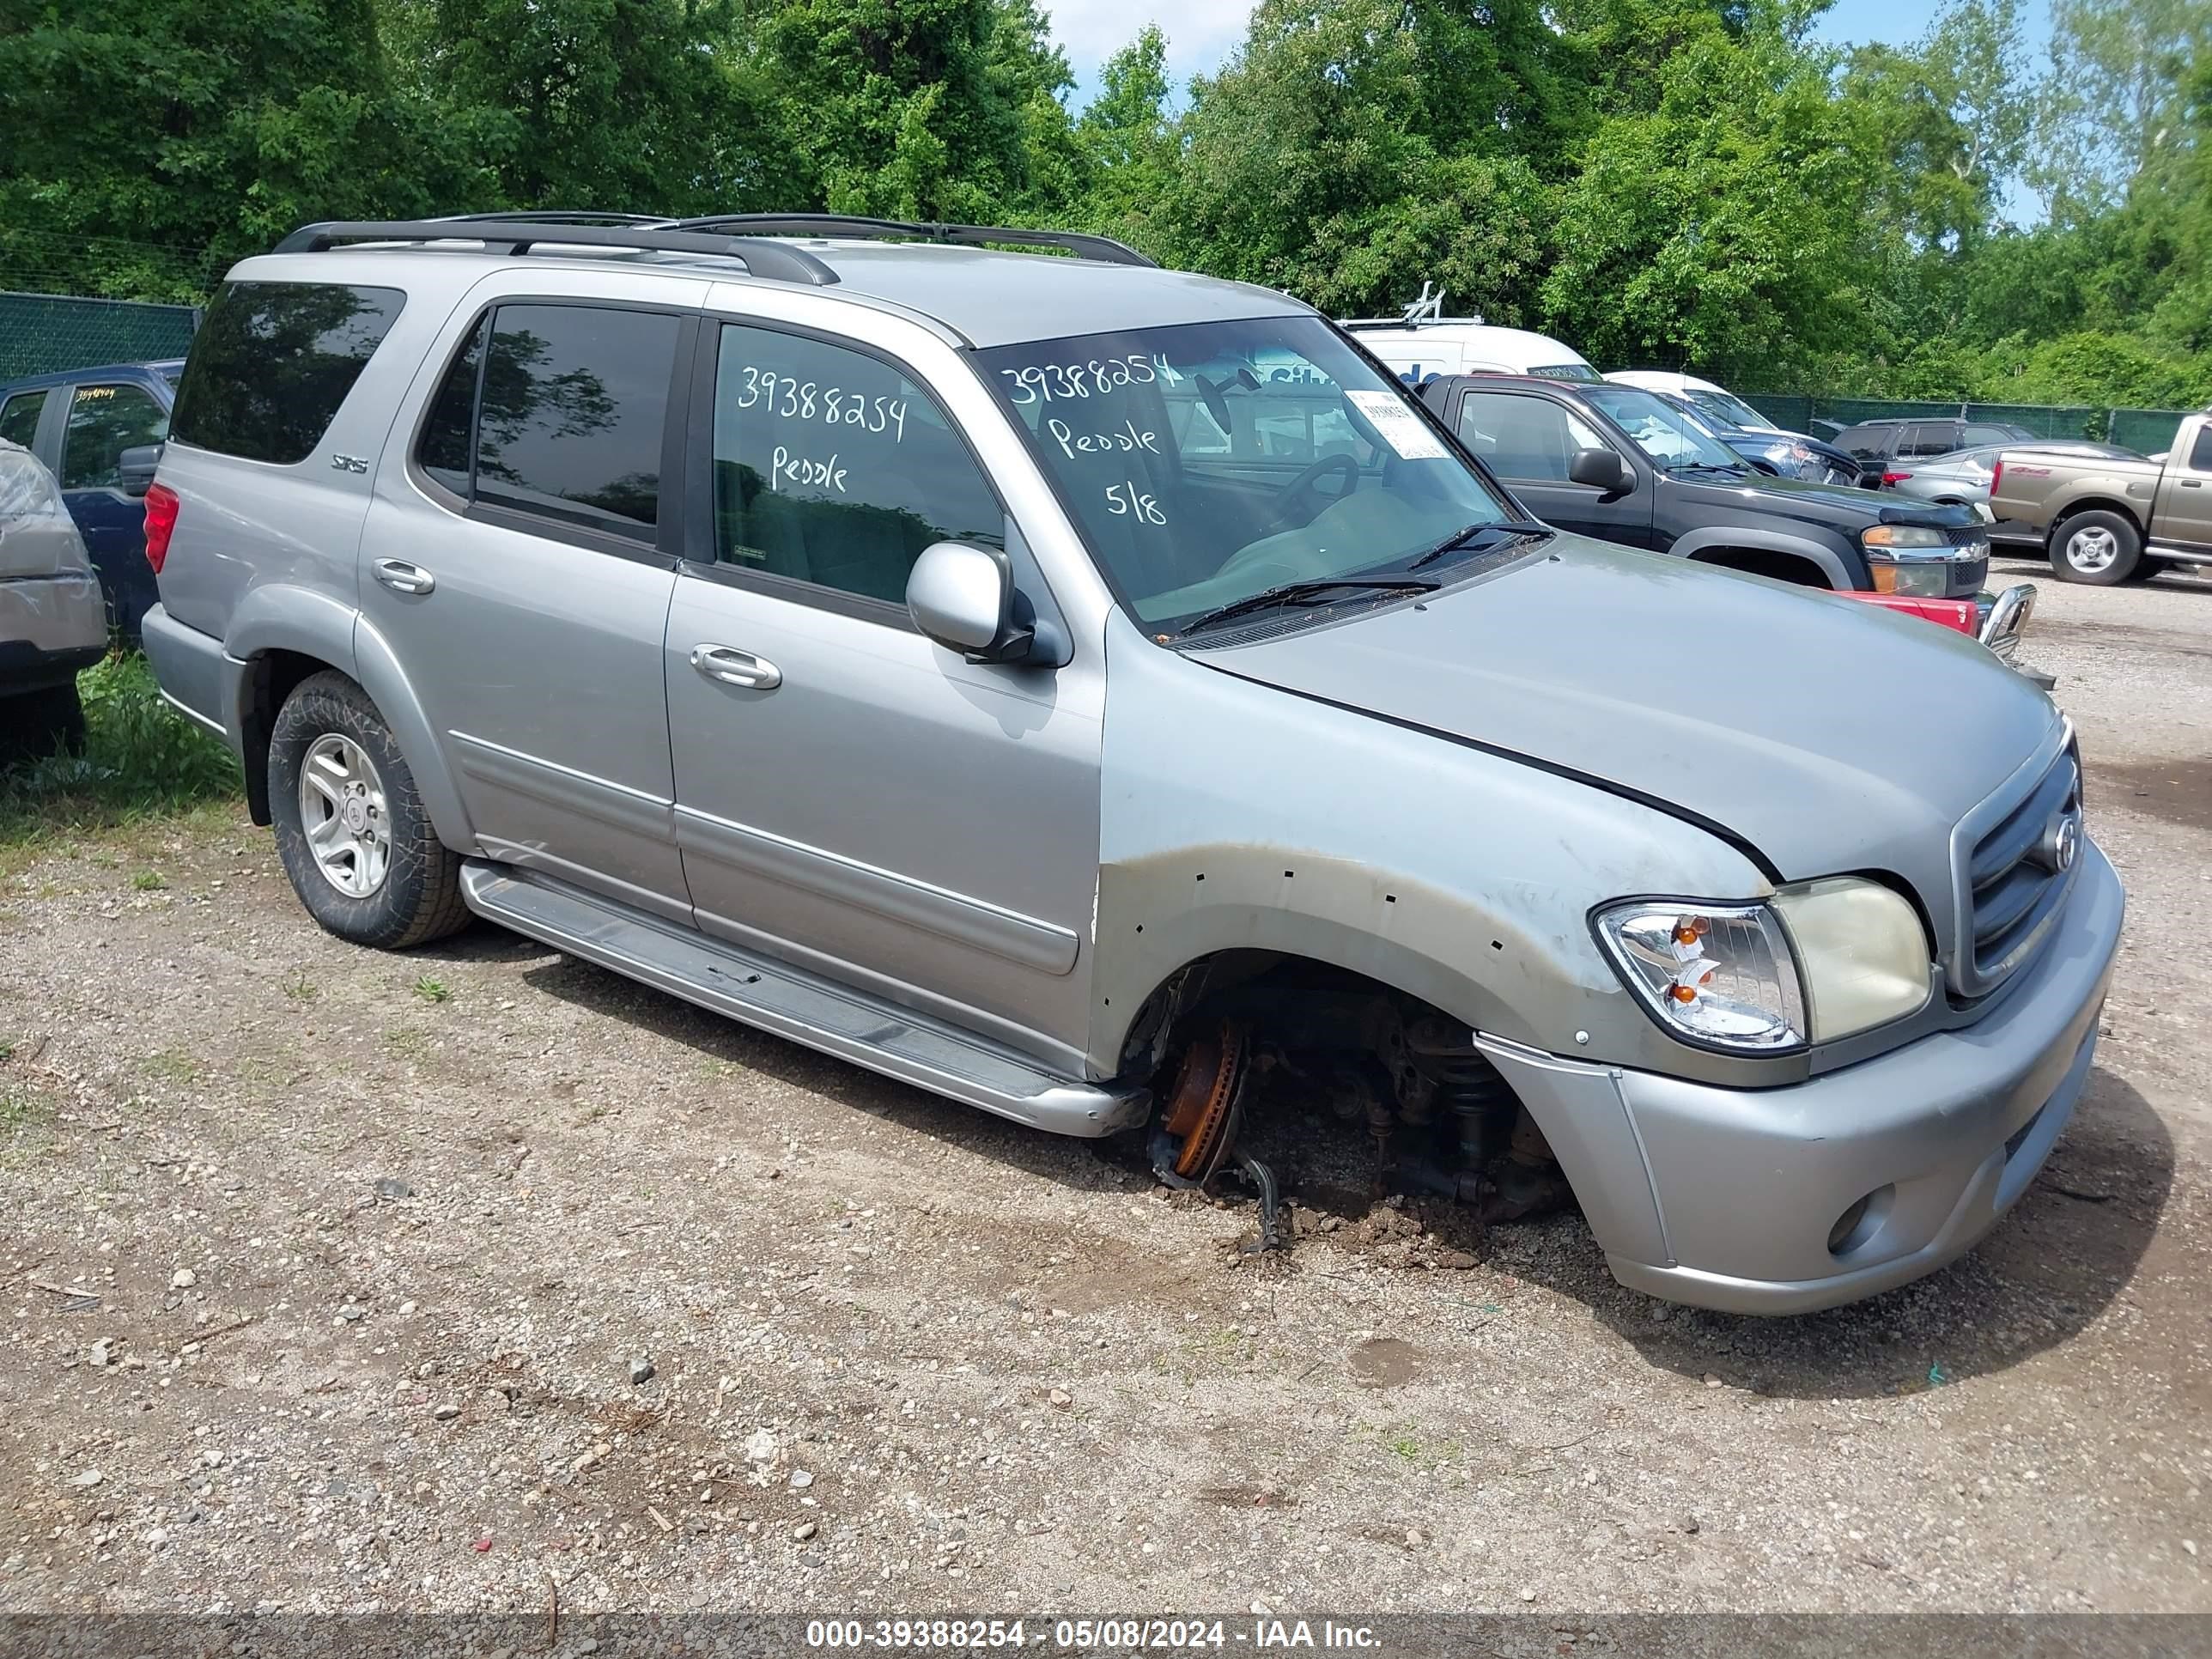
[1820, 961]
[1912, 558]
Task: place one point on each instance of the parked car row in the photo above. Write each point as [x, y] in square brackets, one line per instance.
[52, 623]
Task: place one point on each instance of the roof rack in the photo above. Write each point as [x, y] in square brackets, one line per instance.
[1104, 248]
[778, 261]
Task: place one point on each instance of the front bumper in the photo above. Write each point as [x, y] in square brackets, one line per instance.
[1724, 1198]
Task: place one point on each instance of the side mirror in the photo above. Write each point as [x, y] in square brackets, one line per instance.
[1601, 469]
[962, 596]
[135, 468]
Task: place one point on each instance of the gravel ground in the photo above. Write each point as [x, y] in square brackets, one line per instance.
[340, 1281]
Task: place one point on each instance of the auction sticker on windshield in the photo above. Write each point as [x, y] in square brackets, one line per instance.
[1401, 428]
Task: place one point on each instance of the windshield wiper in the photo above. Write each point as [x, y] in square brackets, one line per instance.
[1492, 532]
[1738, 470]
[1292, 592]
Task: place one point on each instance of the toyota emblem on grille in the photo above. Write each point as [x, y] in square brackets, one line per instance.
[2060, 844]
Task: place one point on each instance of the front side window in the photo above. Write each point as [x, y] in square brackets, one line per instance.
[1528, 439]
[273, 361]
[19, 421]
[1984, 435]
[104, 421]
[832, 467]
[1209, 463]
[558, 412]
[2200, 452]
[1676, 441]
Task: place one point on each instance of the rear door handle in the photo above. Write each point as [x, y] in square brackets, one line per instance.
[402, 577]
[732, 666]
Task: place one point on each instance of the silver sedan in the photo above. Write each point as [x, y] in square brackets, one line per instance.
[1964, 475]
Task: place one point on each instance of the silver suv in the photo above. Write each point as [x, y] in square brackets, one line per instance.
[1104, 695]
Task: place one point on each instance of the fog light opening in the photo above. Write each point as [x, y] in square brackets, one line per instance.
[1860, 1223]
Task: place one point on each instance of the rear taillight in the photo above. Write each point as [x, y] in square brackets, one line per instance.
[161, 524]
[1996, 474]
[1895, 477]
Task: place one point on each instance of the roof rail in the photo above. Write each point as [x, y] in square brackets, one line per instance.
[778, 261]
[1104, 248]
[561, 216]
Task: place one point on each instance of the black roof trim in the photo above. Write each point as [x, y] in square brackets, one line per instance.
[1104, 248]
[778, 261]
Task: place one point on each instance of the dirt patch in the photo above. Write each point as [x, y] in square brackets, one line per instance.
[1385, 1362]
[2178, 790]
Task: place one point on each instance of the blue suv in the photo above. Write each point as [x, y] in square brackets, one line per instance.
[84, 424]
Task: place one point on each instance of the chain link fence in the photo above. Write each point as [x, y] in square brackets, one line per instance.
[40, 333]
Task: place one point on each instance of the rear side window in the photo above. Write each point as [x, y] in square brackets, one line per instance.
[19, 421]
[273, 361]
[104, 421]
[559, 412]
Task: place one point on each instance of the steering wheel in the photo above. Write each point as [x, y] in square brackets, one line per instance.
[1305, 484]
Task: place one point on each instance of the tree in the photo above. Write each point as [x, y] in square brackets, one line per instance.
[1723, 228]
[2113, 104]
[1128, 137]
[900, 108]
[153, 141]
[635, 106]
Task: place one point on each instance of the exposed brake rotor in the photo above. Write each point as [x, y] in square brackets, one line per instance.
[1200, 1121]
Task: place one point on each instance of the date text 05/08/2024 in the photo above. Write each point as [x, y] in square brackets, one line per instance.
[1086, 1635]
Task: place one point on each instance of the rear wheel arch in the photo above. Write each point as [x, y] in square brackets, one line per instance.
[271, 677]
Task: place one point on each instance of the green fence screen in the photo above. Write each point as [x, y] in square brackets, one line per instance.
[2147, 431]
[43, 332]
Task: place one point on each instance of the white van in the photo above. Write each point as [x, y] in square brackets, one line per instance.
[1707, 395]
[1423, 342]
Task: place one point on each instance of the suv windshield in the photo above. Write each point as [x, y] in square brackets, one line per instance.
[1675, 441]
[1212, 462]
[1728, 410]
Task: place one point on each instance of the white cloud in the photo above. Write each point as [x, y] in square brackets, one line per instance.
[1199, 33]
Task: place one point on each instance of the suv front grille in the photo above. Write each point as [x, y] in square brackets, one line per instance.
[2014, 876]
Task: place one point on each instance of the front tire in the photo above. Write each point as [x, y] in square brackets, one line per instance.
[351, 827]
[2098, 548]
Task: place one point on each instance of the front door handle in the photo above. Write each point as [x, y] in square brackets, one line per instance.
[402, 577]
[732, 666]
[2192, 484]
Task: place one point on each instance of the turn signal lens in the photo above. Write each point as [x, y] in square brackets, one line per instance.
[1718, 975]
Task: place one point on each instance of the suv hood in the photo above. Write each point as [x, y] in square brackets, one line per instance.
[1825, 735]
[1846, 507]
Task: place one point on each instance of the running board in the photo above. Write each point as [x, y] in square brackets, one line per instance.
[778, 997]
[2178, 554]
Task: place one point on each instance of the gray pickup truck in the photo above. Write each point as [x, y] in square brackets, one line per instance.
[2106, 518]
[1107, 696]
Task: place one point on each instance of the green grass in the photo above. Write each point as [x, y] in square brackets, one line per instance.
[141, 760]
[433, 990]
[150, 881]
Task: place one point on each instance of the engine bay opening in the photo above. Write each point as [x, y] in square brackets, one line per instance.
[1294, 1078]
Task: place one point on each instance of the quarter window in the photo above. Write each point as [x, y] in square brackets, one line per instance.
[19, 421]
[273, 362]
[104, 421]
[832, 467]
[558, 412]
[1531, 439]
